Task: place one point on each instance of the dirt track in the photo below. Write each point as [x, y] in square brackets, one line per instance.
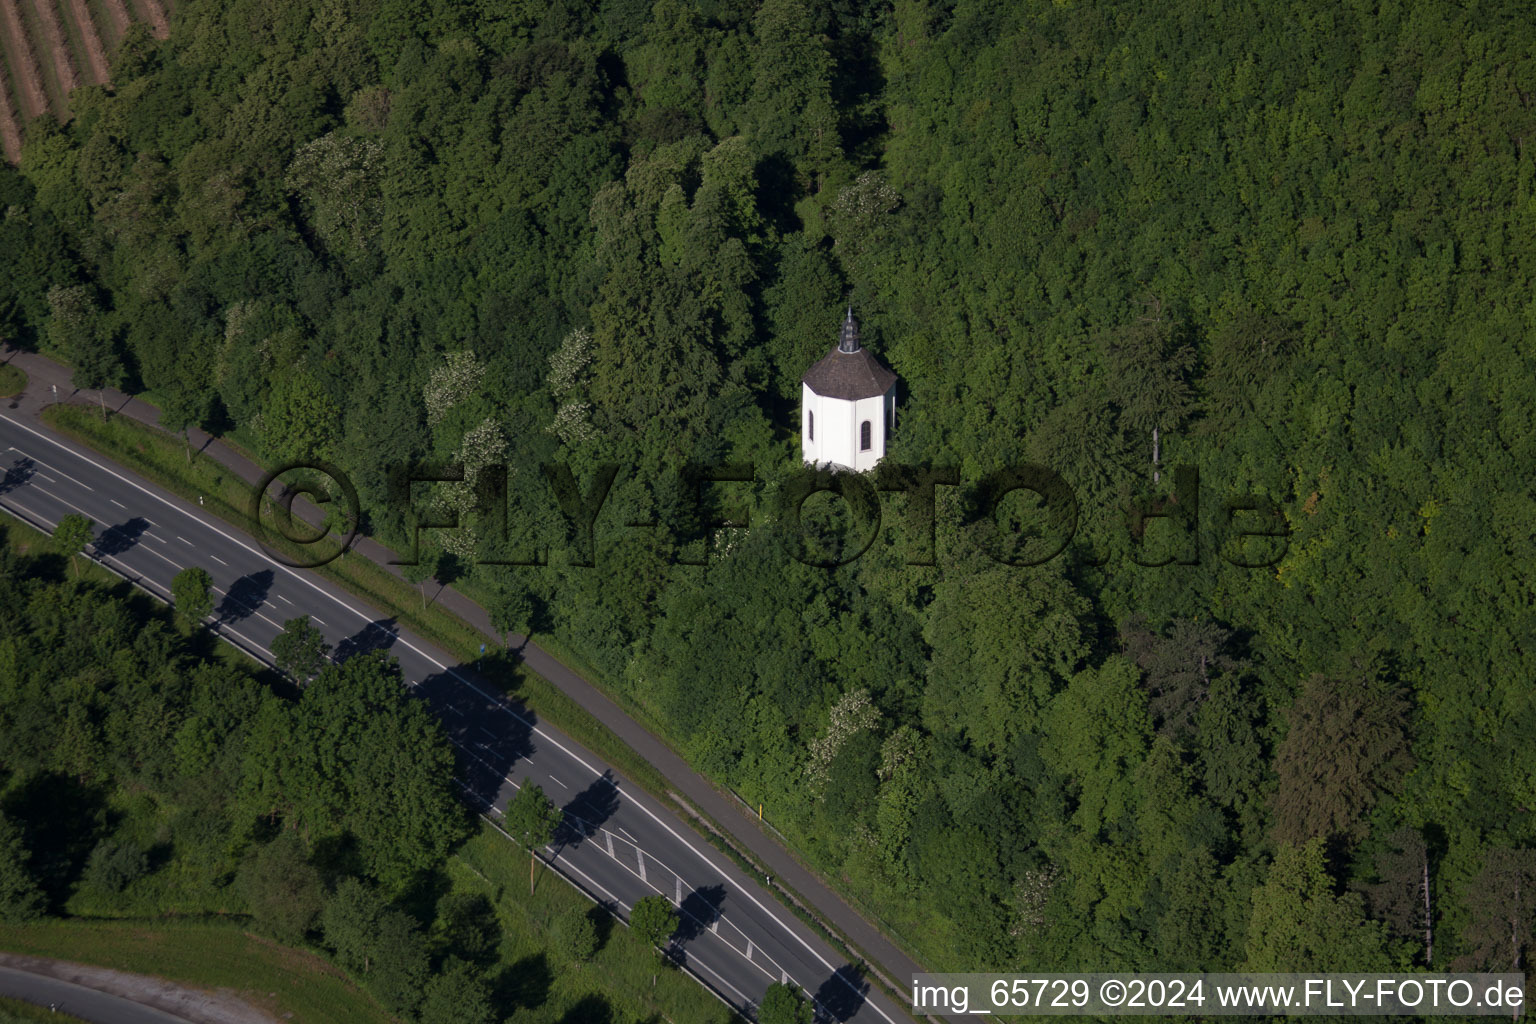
[188, 1004]
[154, 13]
[117, 10]
[95, 53]
[58, 46]
[10, 130]
[34, 98]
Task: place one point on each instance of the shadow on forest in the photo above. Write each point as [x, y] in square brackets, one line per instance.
[115, 540]
[590, 1010]
[379, 635]
[602, 917]
[585, 813]
[470, 928]
[841, 995]
[60, 843]
[492, 733]
[244, 596]
[522, 984]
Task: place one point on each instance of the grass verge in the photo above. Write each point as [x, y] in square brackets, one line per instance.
[208, 955]
[13, 380]
[14, 1011]
[624, 980]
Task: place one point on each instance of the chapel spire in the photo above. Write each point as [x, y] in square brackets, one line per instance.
[848, 340]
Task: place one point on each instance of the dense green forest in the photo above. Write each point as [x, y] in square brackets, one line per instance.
[1289, 245]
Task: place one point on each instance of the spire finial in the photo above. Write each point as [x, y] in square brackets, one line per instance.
[848, 339]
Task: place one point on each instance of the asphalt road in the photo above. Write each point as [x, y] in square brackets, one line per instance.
[79, 1001]
[618, 844]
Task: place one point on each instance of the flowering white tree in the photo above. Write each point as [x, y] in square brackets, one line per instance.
[458, 377]
[1030, 895]
[852, 713]
[482, 446]
[899, 749]
[858, 211]
[569, 364]
[569, 372]
[339, 177]
[573, 423]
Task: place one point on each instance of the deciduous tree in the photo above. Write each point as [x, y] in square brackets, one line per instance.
[300, 649]
[1346, 743]
[782, 1004]
[653, 920]
[20, 897]
[70, 537]
[1298, 924]
[191, 595]
[531, 818]
[282, 889]
[1500, 903]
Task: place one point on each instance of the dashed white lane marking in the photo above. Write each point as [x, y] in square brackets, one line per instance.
[45, 476]
[283, 599]
[118, 504]
[626, 834]
[249, 610]
[77, 508]
[609, 836]
[640, 856]
[558, 782]
[221, 561]
[185, 541]
[318, 619]
[50, 465]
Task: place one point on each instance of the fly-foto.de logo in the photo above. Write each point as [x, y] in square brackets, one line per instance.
[1246, 530]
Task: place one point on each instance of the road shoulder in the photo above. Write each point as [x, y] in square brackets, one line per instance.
[162, 1000]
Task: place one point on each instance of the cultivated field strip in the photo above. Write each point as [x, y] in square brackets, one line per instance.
[58, 46]
[49, 48]
[95, 52]
[154, 13]
[34, 98]
[10, 124]
[117, 11]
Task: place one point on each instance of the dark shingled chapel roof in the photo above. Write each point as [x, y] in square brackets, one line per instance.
[849, 372]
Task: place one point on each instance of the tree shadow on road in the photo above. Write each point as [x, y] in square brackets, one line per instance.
[244, 596]
[115, 540]
[700, 909]
[841, 995]
[379, 635]
[491, 732]
[17, 474]
[585, 813]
